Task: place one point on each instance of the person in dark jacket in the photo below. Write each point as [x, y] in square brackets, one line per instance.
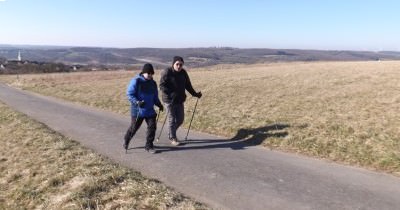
[173, 83]
[143, 95]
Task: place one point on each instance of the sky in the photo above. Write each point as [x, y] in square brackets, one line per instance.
[370, 25]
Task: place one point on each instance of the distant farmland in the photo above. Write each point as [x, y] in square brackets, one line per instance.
[194, 57]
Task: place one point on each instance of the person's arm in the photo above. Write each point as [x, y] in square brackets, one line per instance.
[189, 87]
[164, 85]
[157, 101]
[131, 91]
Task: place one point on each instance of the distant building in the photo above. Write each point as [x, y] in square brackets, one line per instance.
[19, 56]
[18, 60]
[1, 66]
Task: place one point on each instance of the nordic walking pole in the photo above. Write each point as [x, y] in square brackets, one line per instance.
[158, 116]
[190, 124]
[162, 127]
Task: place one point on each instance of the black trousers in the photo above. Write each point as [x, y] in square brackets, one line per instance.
[136, 122]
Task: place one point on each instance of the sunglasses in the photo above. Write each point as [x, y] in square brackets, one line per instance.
[179, 64]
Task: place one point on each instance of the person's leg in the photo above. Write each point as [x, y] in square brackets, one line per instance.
[180, 115]
[151, 133]
[171, 121]
[136, 122]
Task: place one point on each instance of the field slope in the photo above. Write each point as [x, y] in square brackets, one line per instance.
[341, 111]
[41, 169]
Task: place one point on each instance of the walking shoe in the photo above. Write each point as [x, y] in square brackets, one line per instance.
[151, 150]
[126, 142]
[174, 141]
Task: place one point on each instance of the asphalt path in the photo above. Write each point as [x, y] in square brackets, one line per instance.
[223, 173]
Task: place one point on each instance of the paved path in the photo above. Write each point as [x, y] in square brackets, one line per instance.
[222, 173]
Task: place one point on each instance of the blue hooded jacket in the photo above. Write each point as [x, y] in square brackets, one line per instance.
[141, 89]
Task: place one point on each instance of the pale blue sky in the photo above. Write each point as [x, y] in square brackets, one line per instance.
[313, 24]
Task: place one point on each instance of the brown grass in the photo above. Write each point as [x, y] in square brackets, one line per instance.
[342, 111]
[40, 169]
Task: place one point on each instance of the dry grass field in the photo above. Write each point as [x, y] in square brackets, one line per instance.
[40, 169]
[342, 111]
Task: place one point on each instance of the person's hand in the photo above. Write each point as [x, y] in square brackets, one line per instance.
[161, 107]
[198, 94]
[140, 103]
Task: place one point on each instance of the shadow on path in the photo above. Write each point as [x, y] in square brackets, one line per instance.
[243, 138]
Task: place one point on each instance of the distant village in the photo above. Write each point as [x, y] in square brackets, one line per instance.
[21, 66]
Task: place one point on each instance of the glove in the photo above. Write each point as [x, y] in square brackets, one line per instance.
[198, 94]
[140, 103]
[161, 107]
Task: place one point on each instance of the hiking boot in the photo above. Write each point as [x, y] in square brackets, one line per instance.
[151, 150]
[174, 141]
[126, 142]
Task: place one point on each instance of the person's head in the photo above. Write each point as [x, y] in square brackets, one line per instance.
[147, 71]
[177, 63]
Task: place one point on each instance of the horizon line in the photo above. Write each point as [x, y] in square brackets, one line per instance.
[218, 47]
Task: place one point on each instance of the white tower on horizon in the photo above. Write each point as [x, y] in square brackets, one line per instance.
[19, 56]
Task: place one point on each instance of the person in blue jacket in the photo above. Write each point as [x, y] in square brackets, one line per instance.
[143, 95]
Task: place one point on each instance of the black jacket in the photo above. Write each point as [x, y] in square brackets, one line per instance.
[173, 85]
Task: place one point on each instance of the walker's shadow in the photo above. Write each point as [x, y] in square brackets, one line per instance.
[243, 138]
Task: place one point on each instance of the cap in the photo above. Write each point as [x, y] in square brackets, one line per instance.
[148, 68]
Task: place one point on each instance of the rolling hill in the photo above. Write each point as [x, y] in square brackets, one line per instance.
[194, 57]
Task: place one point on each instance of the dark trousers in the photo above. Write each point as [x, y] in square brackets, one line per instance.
[136, 122]
[176, 115]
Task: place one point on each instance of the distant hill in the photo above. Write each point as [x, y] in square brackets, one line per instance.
[194, 57]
